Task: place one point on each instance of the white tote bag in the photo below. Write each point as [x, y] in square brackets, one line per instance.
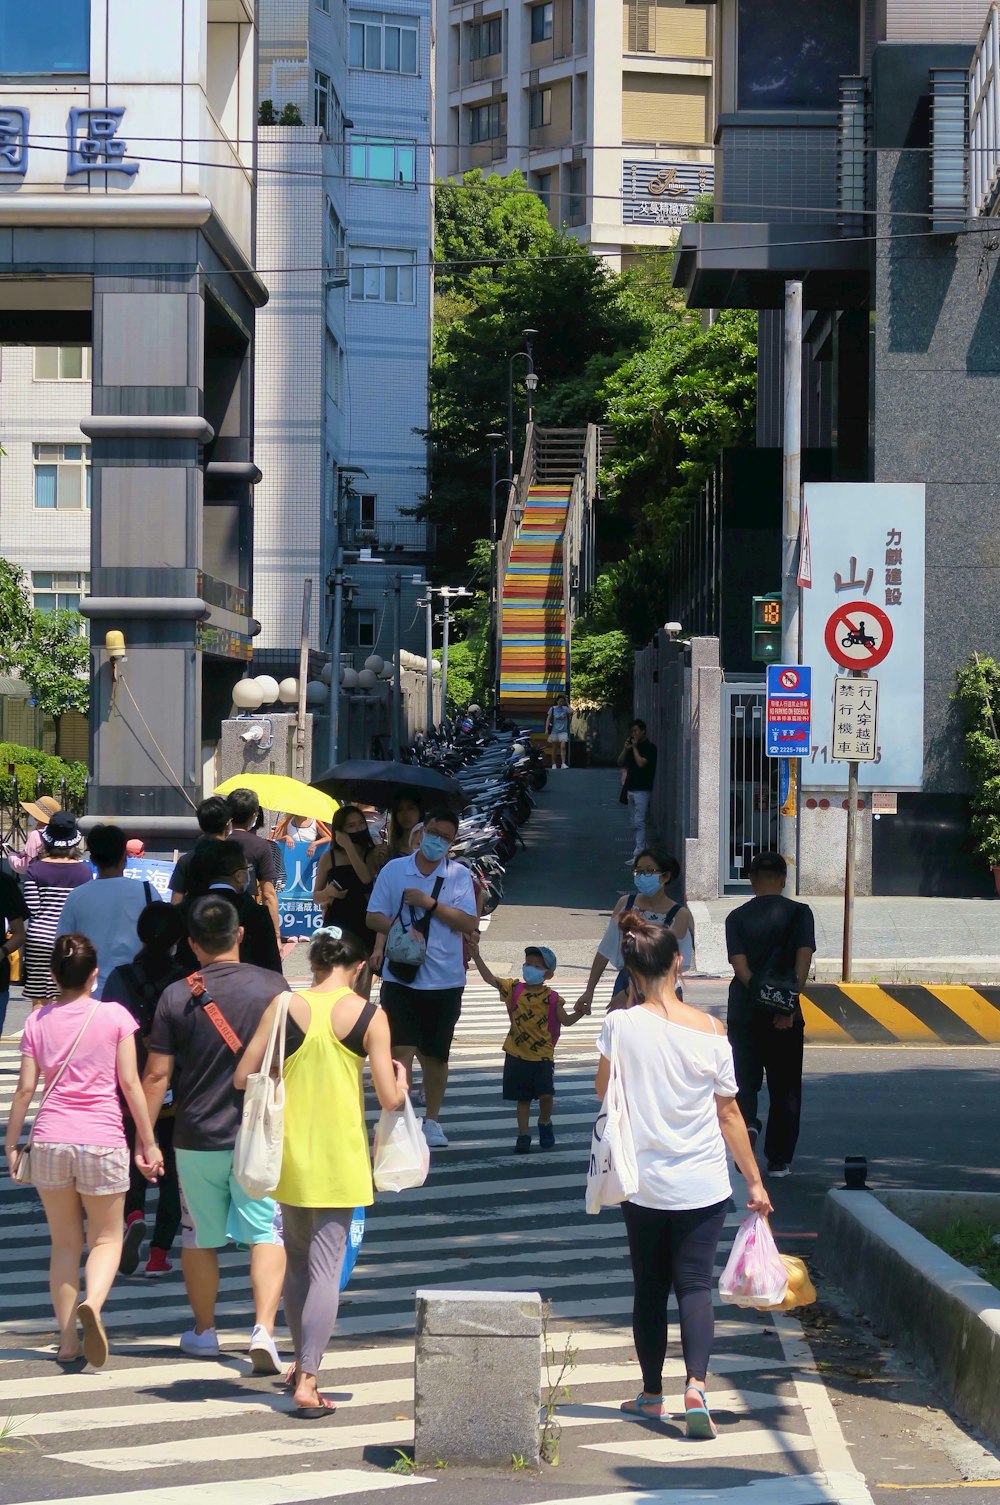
[613, 1176]
[257, 1154]
[402, 1154]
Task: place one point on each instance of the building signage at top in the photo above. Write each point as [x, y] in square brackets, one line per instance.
[94, 143]
[663, 193]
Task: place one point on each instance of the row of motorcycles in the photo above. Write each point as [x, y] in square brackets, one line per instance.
[499, 772]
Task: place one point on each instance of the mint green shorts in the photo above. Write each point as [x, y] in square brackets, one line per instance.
[215, 1210]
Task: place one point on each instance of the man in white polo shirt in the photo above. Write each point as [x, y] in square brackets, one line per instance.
[424, 1011]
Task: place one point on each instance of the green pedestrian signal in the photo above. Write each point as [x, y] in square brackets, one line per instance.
[766, 629]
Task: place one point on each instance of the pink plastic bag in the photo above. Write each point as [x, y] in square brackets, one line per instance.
[755, 1275]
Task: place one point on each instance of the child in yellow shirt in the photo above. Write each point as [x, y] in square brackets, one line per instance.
[537, 1014]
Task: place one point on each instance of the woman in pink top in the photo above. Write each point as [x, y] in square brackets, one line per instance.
[79, 1155]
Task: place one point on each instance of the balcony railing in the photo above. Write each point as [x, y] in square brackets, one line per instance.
[391, 538]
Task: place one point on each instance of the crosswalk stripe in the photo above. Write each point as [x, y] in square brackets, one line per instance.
[327, 1484]
[742, 1443]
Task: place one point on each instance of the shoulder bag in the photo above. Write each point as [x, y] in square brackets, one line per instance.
[775, 988]
[406, 944]
[22, 1175]
[259, 1140]
[613, 1176]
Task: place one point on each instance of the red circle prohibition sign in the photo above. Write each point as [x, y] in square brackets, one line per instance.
[858, 635]
[789, 679]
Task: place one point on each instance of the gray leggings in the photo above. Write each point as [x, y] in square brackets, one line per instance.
[315, 1244]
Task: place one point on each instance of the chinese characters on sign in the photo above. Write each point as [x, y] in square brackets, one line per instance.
[789, 710]
[94, 144]
[299, 915]
[894, 567]
[663, 193]
[855, 720]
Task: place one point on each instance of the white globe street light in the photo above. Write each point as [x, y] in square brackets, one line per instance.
[375, 663]
[367, 679]
[288, 691]
[247, 695]
[316, 692]
[268, 688]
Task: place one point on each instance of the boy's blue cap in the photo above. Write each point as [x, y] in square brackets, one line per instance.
[546, 953]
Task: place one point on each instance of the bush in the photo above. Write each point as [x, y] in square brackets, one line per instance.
[30, 766]
[978, 694]
[601, 669]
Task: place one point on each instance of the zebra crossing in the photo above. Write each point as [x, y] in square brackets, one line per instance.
[153, 1426]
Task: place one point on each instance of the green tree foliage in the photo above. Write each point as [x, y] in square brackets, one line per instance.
[482, 224]
[978, 694]
[47, 649]
[601, 669]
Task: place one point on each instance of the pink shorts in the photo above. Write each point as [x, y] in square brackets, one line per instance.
[95, 1170]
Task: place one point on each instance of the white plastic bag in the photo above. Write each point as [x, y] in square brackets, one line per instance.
[260, 1138]
[755, 1275]
[402, 1155]
[613, 1176]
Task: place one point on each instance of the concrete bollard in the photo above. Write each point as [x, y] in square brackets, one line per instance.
[477, 1382]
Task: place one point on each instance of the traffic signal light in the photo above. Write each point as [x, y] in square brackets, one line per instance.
[766, 630]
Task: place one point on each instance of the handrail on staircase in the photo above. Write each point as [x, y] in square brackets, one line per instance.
[577, 553]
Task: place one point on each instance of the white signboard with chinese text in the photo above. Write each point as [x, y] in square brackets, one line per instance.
[855, 720]
[663, 193]
[867, 545]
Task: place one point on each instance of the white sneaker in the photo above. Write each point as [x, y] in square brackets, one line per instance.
[201, 1345]
[263, 1353]
[434, 1134]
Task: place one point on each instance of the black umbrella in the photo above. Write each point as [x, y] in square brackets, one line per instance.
[376, 783]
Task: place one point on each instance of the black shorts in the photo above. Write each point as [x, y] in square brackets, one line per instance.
[523, 1081]
[422, 1017]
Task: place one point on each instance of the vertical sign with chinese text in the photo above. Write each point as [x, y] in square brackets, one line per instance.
[867, 545]
[855, 720]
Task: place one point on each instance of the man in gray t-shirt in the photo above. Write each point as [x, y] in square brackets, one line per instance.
[201, 1028]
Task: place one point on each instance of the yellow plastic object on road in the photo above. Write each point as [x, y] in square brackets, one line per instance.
[276, 791]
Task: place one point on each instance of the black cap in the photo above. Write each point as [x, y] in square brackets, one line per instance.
[769, 862]
[62, 833]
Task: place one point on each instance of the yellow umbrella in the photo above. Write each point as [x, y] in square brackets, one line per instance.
[276, 791]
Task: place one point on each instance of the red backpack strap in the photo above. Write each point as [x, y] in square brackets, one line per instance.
[515, 998]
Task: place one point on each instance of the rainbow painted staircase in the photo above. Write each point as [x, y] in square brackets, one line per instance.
[534, 656]
[555, 494]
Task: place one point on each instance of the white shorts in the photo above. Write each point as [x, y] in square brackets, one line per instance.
[559, 737]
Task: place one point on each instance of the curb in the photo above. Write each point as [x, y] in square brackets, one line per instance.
[944, 1316]
[910, 1014]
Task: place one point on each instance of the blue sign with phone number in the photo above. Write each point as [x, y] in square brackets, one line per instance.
[789, 710]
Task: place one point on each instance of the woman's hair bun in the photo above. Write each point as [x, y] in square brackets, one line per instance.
[332, 947]
[648, 950]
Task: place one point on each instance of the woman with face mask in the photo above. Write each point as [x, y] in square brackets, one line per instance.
[652, 874]
[330, 1032]
[345, 874]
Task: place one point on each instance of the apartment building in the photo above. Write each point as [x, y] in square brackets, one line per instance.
[344, 222]
[606, 106]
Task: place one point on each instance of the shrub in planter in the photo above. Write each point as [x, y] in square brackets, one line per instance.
[30, 765]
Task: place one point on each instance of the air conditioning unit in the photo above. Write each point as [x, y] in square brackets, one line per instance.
[341, 267]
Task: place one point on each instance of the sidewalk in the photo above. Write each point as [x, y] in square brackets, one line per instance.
[562, 889]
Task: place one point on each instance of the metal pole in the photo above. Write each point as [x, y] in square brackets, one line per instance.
[397, 687]
[445, 624]
[429, 654]
[510, 419]
[300, 718]
[790, 521]
[333, 745]
[494, 592]
[852, 858]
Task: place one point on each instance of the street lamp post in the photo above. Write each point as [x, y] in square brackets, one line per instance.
[527, 354]
[495, 440]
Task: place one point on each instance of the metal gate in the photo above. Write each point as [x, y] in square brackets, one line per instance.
[749, 788]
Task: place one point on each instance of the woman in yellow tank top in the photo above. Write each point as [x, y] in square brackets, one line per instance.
[325, 1164]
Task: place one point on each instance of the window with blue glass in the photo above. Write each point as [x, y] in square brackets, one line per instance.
[62, 476]
[44, 39]
[792, 57]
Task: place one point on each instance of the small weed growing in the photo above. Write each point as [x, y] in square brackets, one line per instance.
[973, 1244]
[404, 1464]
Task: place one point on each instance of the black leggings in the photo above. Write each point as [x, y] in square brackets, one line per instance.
[168, 1203]
[673, 1249]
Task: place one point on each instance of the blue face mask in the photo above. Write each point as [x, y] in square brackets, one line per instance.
[533, 975]
[647, 884]
[433, 847]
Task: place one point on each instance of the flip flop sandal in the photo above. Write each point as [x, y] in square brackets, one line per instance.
[95, 1339]
[651, 1410]
[322, 1412]
[700, 1426]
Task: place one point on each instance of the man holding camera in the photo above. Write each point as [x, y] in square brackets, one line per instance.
[638, 759]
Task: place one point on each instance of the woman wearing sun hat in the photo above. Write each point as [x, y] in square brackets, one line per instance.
[48, 883]
[39, 813]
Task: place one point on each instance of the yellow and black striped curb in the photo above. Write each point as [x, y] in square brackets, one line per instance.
[872, 1014]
